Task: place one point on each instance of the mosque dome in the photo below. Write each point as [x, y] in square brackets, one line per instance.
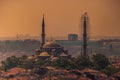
[54, 58]
[63, 55]
[44, 54]
[51, 44]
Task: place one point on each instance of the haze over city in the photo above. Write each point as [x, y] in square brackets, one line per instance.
[59, 40]
[61, 17]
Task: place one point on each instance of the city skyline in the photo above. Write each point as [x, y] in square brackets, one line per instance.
[61, 17]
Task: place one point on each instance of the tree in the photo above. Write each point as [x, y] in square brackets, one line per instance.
[10, 62]
[100, 61]
[38, 63]
[83, 62]
[62, 63]
[110, 70]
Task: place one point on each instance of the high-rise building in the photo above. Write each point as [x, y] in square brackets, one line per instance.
[72, 37]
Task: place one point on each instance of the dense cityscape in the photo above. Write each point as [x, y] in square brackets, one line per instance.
[67, 55]
[70, 59]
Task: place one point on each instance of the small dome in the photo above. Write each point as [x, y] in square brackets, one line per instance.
[44, 54]
[54, 58]
[51, 44]
[63, 55]
[30, 57]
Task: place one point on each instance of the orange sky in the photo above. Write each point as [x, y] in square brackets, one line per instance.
[61, 17]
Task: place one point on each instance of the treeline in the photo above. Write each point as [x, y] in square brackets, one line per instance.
[97, 62]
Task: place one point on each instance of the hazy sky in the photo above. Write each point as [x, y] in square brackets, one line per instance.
[61, 17]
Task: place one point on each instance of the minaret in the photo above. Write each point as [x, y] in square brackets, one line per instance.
[85, 19]
[43, 31]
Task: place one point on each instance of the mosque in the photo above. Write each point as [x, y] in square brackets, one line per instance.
[50, 49]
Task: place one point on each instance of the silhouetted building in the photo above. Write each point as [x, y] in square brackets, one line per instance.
[51, 49]
[43, 32]
[72, 37]
[85, 36]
